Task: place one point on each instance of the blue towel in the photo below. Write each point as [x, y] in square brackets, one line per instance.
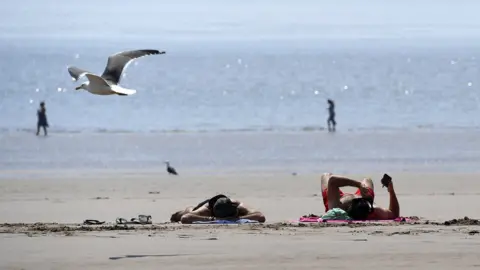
[239, 221]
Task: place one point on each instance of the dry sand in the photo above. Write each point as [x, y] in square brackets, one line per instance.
[67, 198]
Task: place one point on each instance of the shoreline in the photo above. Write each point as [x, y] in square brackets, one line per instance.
[312, 128]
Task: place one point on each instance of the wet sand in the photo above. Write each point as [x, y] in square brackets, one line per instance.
[426, 151]
[58, 202]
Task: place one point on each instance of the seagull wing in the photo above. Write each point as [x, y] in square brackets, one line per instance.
[122, 91]
[77, 73]
[96, 80]
[118, 62]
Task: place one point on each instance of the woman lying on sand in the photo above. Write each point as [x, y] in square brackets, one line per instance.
[359, 205]
[219, 207]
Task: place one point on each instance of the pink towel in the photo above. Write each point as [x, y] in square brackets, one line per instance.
[319, 219]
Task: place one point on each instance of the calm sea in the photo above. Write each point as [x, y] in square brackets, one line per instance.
[244, 88]
[237, 105]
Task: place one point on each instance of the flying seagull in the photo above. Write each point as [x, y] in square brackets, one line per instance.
[170, 169]
[107, 84]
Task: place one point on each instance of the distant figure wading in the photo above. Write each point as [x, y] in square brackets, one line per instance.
[42, 119]
[331, 116]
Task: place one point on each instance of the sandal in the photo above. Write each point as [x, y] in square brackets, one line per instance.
[311, 216]
[145, 219]
[121, 221]
[142, 219]
[93, 222]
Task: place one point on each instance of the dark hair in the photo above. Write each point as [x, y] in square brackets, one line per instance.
[225, 208]
[176, 217]
[360, 208]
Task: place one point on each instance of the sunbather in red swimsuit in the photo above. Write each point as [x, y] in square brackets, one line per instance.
[371, 194]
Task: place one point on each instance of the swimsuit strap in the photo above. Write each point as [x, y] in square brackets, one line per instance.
[211, 202]
[214, 199]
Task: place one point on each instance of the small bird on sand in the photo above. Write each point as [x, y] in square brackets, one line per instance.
[107, 83]
[170, 169]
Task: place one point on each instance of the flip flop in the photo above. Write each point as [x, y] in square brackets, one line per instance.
[311, 216]
[134, 221]
[121, 221]
[145, 219]
[93, 222]
[142, 219]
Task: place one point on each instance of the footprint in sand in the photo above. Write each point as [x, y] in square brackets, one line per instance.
[100, 198]
[185, 236]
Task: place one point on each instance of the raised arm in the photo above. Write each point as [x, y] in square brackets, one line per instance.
[393, 210]
[201, 214]
[333, 191]
[249, 213]
[337, 181]
[177, 216]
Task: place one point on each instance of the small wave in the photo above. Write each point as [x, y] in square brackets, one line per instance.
[236, 130]
[312, 128]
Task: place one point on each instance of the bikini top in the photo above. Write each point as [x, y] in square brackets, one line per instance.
[211, 202]
[220, 206]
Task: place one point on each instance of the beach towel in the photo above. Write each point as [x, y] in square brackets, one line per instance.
[239, 221]
[318, 219]
[336, 214]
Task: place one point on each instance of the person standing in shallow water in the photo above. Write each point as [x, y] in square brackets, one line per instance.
[42, 119]
[331, 116]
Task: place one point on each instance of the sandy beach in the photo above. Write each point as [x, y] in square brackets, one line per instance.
[238, 105]
[59, 202]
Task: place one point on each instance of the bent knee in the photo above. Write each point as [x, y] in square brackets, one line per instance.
[324, 179]
[368, 182]
[325, 176]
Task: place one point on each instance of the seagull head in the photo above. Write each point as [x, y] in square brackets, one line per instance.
[82, 86]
